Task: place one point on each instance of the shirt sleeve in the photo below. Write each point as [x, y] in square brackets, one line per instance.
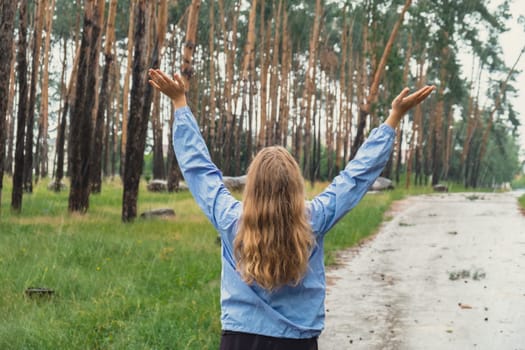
[203, 177]
[352, 183]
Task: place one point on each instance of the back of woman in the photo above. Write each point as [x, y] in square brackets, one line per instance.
[272, 280]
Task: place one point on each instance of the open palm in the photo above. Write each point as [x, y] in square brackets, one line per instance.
[404, 102]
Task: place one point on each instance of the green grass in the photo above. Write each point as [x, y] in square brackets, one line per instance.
[150, 284]
[147, 285]
[521, 200]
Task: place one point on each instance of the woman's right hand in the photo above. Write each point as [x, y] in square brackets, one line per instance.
[173, 88]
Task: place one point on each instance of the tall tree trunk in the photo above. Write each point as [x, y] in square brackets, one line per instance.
[286, 66]
[10, 127]
[187, 69]
[37, 45]
[428, 148]
[78, 22]
[468, 132]
[349, 106]
[21, 58]
[95, 166]
[116, 120]
[69, 102]
[138, 121]
[210, 121]
[363, 78]
[246, 81]
[43, 121]
[329, 128]
[172, 167]
[112, 118]
[232, 116]
[174, 173]
[159, 171]
[296, 124]
[81, 130]
[61, 105]
[229, 52]
[42, 145]
[420, 161]
[342, 94]
[316, 129]
[374, 87]
[437, 145]
[7, 15]
[125, 93]
[251, 116]
[309, 89]
[316, 166]
[265, 42]
[274, 77]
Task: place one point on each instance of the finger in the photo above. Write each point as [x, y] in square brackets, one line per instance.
[422, 93]
[427, 91]
[179, 80]
[401, 95]
[155, 85]
[164, 76]
[156, 77]
[154, 72]
[151, 73]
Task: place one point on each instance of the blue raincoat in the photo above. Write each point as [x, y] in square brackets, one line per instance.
[289, 312]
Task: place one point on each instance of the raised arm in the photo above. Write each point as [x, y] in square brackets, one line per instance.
[203, 177]
[349, 187]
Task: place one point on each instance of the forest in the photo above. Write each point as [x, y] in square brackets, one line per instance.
[313, 76]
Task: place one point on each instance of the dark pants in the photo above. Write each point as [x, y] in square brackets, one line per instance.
[246, 341]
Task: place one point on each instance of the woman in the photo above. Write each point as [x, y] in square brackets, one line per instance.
[272, 280]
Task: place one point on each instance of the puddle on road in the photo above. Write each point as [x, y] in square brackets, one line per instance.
[474, 197]
[475, 274]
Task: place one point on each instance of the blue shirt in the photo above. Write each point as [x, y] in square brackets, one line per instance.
[289, 312]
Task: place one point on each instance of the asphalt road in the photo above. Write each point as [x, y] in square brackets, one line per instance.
[447, 272]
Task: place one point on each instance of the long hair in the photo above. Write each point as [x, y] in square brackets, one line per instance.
[274, 239]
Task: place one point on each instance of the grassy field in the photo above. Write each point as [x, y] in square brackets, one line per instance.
[151, 284]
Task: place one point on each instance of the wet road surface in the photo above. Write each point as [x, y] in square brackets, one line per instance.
[447, 272]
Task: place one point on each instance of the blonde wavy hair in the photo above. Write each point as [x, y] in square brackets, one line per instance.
[274, 239]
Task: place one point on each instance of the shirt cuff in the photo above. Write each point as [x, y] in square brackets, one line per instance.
[387, 129]
[182, 110]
